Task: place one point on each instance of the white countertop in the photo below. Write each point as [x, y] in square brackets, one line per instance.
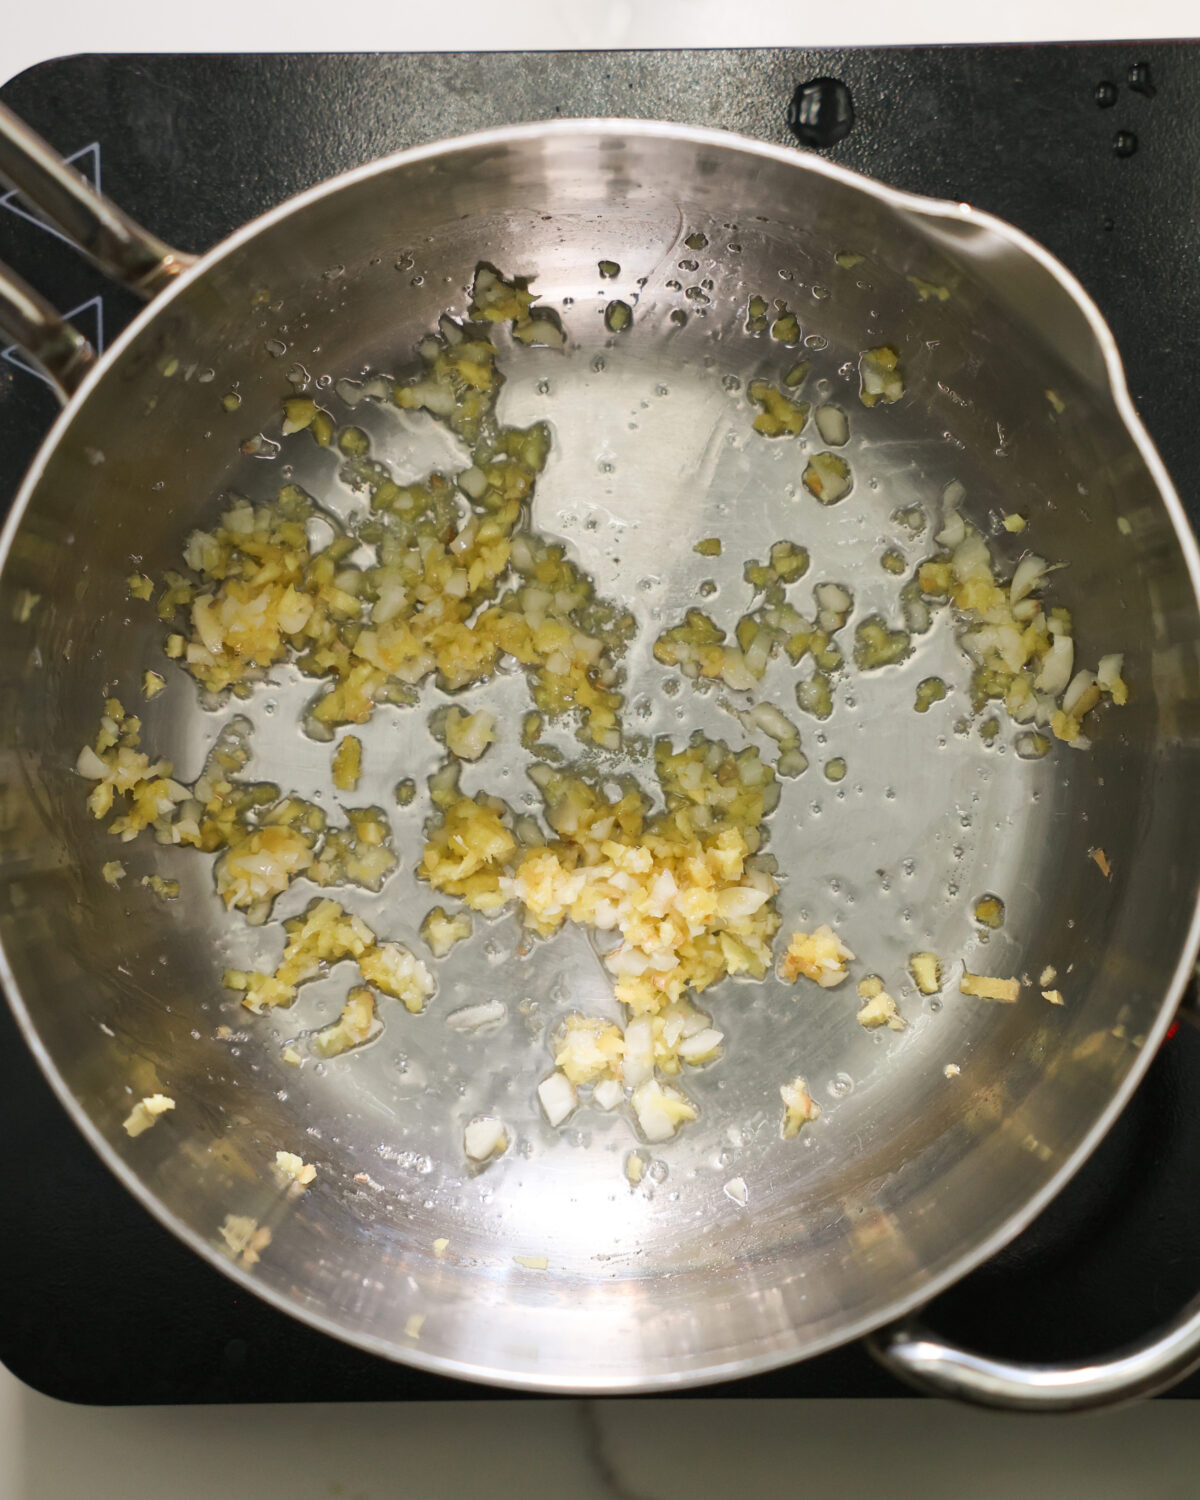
[632, 1450]
[583, 1450]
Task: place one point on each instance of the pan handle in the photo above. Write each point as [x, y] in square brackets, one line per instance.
[122, 249]
[1153, 1364]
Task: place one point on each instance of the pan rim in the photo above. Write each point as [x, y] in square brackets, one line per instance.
[974, 1255]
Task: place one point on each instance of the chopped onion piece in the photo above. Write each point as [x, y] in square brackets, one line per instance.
[607, 1094]
[638, 1065]
[1056, 666]
[1080, 684]
[660, 1111]
[953, 532]
[1108, 676]
[558, 1097]
[775, 725]
[700, 1047]
[484, 1138]
[1028, 576]
[89, 764]
[737, 1191]
[833, 426]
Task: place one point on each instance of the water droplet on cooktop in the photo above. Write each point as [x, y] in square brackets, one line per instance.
[821, 112]
[1125, 143]
[1105, 94]
[1139, 80]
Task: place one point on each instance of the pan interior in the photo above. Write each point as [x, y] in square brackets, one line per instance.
[908, 1174]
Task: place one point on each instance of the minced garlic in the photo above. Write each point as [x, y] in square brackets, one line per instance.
[878, 1009]
[469, 735]
[441, 932]
[244, 1238]
[347, 764]
[799, 1107]
[820, 956]
[292, 1172]
[926, 970]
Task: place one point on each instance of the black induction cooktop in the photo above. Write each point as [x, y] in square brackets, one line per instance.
[1095, 150]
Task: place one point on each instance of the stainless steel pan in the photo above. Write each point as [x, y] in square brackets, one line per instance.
[910, 1178]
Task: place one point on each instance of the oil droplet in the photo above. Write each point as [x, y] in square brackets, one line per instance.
[275, 348]
[679, 317]
[840, 1085]
[1105, 94]
[1125, 143]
